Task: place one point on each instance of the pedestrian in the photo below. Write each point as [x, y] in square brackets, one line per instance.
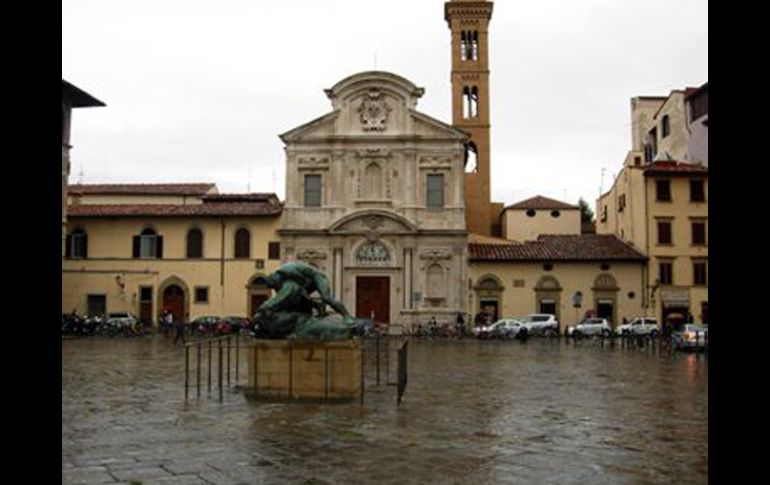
[179, 327]
[433, 327]
[460, 325]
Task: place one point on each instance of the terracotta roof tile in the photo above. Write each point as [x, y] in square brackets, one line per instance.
[673, 168]
[141, 189]
[207, 209]
[540, 202]
[586, 247]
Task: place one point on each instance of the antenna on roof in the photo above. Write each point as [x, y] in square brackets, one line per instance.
[80, 175]
[248, 179]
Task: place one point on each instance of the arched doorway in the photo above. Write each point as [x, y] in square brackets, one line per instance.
[605, 297]
[173, 301]
[489, 291]
[548, 296]
[259, 293]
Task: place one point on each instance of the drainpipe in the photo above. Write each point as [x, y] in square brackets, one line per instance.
[222, 257]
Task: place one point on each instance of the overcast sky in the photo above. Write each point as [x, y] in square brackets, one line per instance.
[199, 90]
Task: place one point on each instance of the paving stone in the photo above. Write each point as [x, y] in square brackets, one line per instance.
[141, 474]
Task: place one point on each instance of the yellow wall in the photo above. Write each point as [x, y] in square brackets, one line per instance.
[517, 226]
[110, 262]
[521, 300]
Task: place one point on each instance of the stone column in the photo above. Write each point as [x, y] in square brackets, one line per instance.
[408, 278]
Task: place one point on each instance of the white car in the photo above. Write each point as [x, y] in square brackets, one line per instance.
[693, 336]
[507, 328]
[540, 324]
[639, 326]
[591, 326]
[121, 319]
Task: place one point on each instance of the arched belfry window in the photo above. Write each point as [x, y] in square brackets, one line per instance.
[470, 102]
[463, 46]
[242, 243]
[665, 127]
[471, 158]
[474, 41]
[373, 253]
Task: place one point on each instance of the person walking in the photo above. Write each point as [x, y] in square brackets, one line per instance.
[179, 327]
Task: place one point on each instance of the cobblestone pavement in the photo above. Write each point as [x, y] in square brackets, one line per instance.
[474, 412]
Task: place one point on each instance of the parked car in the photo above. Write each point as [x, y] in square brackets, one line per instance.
[591, 326]
[121, 319]
[693, 336]
[639, 326]
[237, 323]
[487, 331]
[508, 328]
[540, 324]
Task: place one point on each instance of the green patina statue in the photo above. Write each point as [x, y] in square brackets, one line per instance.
[293, 313]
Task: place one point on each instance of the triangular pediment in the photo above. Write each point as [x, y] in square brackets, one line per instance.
[428, 127]
[367, 221]
[318, 128]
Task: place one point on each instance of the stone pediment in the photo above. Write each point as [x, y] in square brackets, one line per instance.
[373, 222]
[428, 127]
[318, 128]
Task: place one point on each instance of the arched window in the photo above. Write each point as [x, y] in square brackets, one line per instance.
[463, 46]
[242, 243]
[77, 244]
[471, 158]
[194, 243]
[470, 102]
[474, 41]
[148, 244]
[373, 254]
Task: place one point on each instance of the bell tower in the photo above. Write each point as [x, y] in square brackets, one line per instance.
[469, 22]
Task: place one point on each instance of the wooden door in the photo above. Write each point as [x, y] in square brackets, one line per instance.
[256, 301]
[173, 301]
[373, 298]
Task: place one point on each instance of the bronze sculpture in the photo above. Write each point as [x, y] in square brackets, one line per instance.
[293, 313]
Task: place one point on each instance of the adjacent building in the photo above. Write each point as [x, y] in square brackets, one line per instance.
[185, 248]
[71, 97]
[658, 202]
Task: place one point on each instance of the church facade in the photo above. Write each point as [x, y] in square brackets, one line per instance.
[375, 199]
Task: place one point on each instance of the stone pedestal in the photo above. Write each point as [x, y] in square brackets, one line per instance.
[305, 370]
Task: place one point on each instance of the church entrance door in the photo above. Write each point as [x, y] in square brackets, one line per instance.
[373, 298]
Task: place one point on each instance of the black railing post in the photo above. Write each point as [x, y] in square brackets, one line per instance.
[186, 370]
[209, 366]
[198, 381]
[237, 361]
[220, 369]
[326, 373]
[362, 375]
[228, 361]
[377, 357]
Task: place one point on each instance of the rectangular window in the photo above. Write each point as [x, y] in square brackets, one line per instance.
[699, 273]
[666, 273]
[435, 190]
[201, 294]
[664, 232]
[697, 194]
[621, 203]
[259, 264]
[273, 250]
[96, 304]
[145, 293]
[147, 246]
[698, 233]
[312, 190]
[663, 190]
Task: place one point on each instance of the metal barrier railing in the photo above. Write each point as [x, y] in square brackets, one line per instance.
[372, 349]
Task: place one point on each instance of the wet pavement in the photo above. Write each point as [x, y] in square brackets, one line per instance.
[474, 412]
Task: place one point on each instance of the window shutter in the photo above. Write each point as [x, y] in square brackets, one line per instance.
[136, 246]
[68, 246]
[159, 247]
[85, 245]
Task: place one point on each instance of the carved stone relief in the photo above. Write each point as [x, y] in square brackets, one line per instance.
[374, 111]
